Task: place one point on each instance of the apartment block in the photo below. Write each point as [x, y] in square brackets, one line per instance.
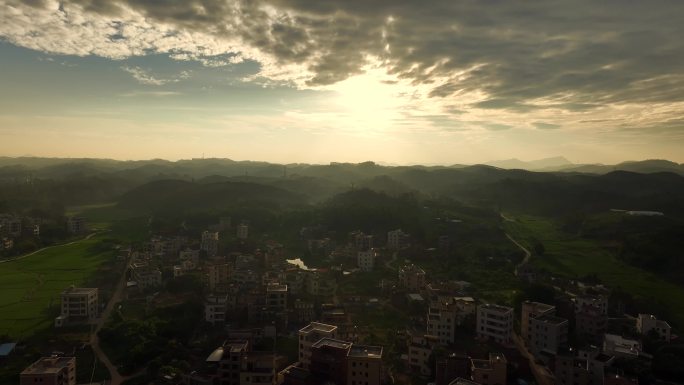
[145, 276]
[420, 349]
[79, 304]
[397, 239]
[591, 323]
[329, 361]
[215, 308]
[50, 371]
[495, 322]
[452, 367]
[77, 225]
[445, 314]
[242, 231]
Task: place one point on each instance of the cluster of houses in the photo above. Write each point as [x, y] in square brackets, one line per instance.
[262, 294]
[14, 227]
[544, 336]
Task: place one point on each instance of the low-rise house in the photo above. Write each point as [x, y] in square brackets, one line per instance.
[50, 371]
[492, 371]
[495, 322]
[648, 323]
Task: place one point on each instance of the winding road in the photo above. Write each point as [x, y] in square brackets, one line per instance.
[49, 247]
[528, 254]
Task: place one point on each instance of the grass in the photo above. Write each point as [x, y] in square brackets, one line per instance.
[30, 287]
[573, 257]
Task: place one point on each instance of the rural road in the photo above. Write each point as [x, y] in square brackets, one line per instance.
[116, 377]
[528, 254]
[48, 247]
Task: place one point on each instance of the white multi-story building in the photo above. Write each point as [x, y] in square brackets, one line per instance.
[311, 334]
[79, 304]
[366, 260]
[364, 365]
[412, 278]
[145, 276]
[218, 273]
[646, 323]
[547, 334]
[495, 322]
[447, 313]
[77, 225]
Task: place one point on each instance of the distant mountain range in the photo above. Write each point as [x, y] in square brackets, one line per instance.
[561, 164]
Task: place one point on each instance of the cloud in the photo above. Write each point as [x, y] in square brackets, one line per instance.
[495, 59]
[546, 126]
[146, 77]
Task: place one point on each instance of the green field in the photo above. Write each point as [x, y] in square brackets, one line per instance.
[30, 287]
[574, 257]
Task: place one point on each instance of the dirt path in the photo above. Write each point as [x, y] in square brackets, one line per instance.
[116, 377]
[528, 254]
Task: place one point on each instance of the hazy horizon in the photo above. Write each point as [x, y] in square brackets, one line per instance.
[303, 81]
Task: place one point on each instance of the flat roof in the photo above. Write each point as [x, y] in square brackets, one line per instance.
[79, 290]
[499, 308]
[318, 326]
[463, 381]
[48, 365]
[551, 319]
[368, 351]
[338, 344]
[539, 306]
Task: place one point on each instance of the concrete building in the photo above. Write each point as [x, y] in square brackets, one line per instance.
[77, 225]
[492, 371]
[420, 349]
[647, 323]
[79, 304]
[259, 368]
[412, 278]
[218, 272]
[366, 260]
[209, 244]
[531, 310]
[50, 371]
[463, 381]
[397, 240]
[364, 365]
[445, 313]
[591, 323]
[452, 367]
[583, 367]
[360, 240]
[311, 334]
[229, 358]
[242, 231]
[547, 334]
[495, 322]
[276, 297]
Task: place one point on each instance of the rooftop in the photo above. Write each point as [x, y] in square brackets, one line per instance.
[551, 319]
[276, 287]
[79, 290]
[295, 371]
[48, 365]
[318, 326]
[462, 381]
[365, 351]
[331, 342]
[538, 306]
[497, 308]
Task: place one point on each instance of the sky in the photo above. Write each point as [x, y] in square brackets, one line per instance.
[395, 81]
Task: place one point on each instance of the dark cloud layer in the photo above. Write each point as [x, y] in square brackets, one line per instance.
[574, 55]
